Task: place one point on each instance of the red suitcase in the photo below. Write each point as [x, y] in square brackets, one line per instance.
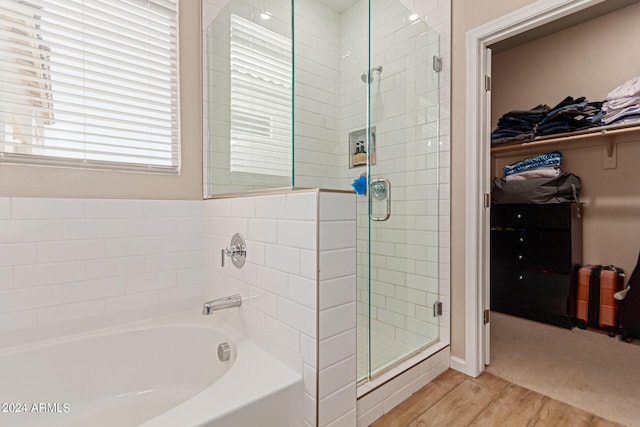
[595, 304]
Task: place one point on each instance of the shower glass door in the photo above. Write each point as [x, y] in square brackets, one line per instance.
[402, 273]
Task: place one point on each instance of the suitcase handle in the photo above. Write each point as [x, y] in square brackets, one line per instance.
[614, 268]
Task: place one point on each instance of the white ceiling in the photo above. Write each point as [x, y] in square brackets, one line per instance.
[339, 5]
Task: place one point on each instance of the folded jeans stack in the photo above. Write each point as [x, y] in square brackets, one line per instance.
[622, 105]
[542, 166]
[518, 125]
[571, 115]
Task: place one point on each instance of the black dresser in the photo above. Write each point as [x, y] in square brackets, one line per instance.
[535, 253]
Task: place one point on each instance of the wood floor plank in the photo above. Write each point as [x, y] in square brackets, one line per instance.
[410, 409]
[449, 379]
[492, 382]
[557, 414]
[420, 401]
[514, 406]
[457, 408]
[453, 399]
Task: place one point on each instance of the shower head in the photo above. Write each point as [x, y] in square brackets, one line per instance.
[367, 77]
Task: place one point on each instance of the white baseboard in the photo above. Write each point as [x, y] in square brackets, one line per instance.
[458, 364]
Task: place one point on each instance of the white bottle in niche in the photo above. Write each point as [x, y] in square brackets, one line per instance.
[372, 149]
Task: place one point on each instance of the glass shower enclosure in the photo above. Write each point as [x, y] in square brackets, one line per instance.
[325, 94]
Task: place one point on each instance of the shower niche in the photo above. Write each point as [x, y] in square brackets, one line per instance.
[360, 150]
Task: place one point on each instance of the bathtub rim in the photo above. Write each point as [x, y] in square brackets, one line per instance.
[184, 318]
[247, 368]
[88, 325]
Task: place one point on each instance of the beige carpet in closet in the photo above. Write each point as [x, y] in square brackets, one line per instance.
[583, 368]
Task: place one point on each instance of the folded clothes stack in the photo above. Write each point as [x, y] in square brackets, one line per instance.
[542, 166]
[622, 105]
[518, 125]
[571, 115]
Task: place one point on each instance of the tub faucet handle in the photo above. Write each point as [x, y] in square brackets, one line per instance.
[237, 251]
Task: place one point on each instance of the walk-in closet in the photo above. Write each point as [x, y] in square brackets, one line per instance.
[584, 56]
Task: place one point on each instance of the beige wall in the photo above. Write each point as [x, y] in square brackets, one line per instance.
[466, 15]
[40, 181]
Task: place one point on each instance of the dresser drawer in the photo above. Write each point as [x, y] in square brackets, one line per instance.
[531, 249]
[531, 291]
[529, 301]
[550, 216]
[552, 284]
[563, 320]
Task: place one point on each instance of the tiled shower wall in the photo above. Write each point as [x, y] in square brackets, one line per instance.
[317, 83]
[409, 108]
[286, 257]
[337, 310]
[437, 14]
[317, 101]
[279, 275]
[411, 116]
[216, 21]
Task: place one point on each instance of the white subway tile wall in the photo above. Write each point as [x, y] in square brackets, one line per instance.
[337, 388]
[65, 259]
[409, 108]
[73, 259]
[417, 162]
[217, 28]
[282, 290]
[317, 95]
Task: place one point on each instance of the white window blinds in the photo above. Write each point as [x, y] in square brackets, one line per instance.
[261, 128]
[89, 83]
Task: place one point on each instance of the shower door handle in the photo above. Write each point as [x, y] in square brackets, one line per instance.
[379, 189]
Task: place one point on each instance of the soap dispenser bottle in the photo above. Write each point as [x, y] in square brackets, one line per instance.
[360, 155]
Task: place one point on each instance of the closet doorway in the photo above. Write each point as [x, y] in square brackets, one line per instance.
[542, 17]
[532, 22]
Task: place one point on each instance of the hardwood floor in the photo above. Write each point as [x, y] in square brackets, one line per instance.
[453, 399]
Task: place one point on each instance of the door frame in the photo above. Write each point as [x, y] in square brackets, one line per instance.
[478, 152]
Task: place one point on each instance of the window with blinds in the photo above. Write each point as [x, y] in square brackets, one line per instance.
[261, 81]
[90, 83]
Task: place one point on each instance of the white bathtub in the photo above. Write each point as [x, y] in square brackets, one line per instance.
[156, 373]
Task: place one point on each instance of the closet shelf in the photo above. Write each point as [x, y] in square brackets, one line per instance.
[608, 136]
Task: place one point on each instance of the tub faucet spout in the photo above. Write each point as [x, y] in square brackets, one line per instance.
[222, 303]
